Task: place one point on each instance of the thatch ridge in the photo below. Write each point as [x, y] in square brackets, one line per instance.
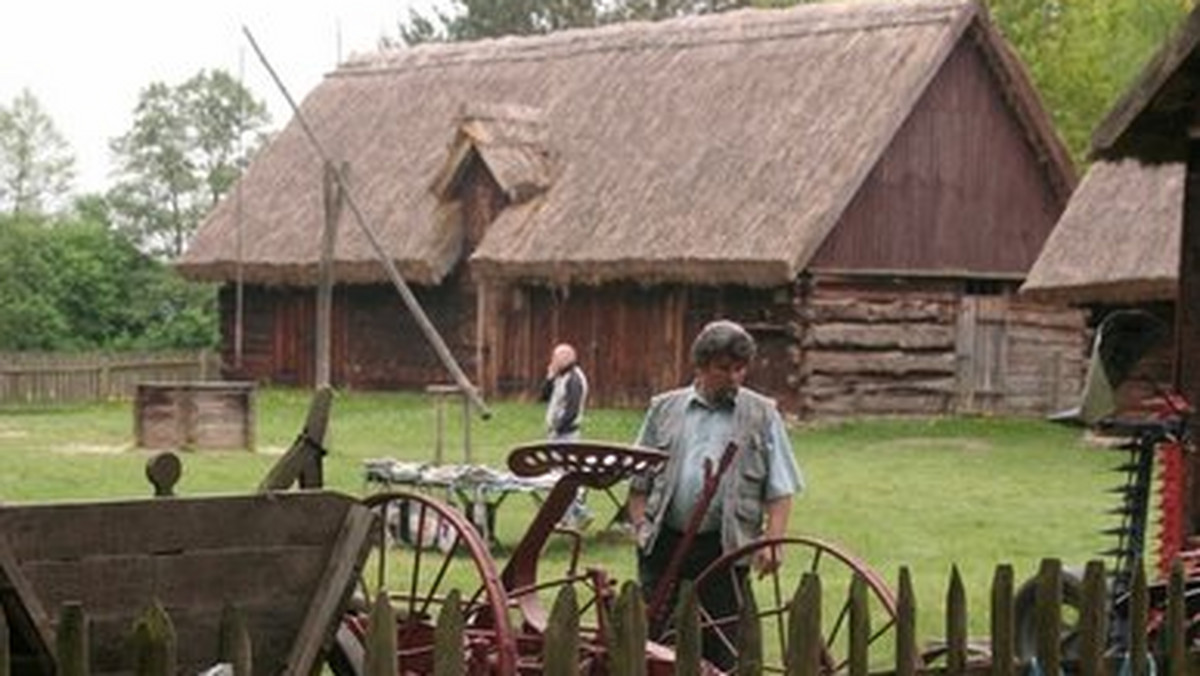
[1118, 240]
[653, 163]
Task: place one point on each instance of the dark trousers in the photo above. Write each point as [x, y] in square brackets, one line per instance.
[718, 596]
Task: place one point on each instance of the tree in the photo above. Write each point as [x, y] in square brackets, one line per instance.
[1082, 54]
[73, 283]
[188, 144]
[36, 163]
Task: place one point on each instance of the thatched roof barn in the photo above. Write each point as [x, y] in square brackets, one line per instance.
[1118, 241]
[618, 186]
[1154, 122]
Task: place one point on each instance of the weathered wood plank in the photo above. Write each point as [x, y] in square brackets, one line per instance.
[884, 309]
[332, 592]
[127, 527]
[883, 362]
[24, 608]
[900, 335]
[110, 583]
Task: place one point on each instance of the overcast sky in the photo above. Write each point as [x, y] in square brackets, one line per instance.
[87, 60]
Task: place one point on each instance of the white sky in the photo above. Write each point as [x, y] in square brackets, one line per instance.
[86, 61]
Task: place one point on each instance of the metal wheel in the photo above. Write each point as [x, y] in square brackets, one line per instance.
[421, 550]
[773, 595]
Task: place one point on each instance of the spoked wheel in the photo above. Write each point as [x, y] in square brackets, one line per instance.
[422, 549]
[1025, 611]
[773, 594]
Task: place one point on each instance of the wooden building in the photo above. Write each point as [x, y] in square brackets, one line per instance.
[1154, 122]
[1116, 247]
[865, 185]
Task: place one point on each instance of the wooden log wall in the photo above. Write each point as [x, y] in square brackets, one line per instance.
[930, 348]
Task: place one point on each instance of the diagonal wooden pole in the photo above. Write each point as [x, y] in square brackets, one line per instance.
[406, 294]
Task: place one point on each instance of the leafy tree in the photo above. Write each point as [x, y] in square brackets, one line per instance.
[1082, 54]
[187, 146]
[75, 284]
[36, 163]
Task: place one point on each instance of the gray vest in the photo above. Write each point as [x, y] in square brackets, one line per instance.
[742, 491]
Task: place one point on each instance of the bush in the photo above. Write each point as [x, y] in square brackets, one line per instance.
[74, 284]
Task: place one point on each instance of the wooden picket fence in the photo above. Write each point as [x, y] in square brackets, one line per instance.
[154, 647]
[52, 378]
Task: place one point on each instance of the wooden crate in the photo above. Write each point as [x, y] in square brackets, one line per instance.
[195, 415]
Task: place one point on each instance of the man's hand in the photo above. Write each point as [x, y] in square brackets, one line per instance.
[767, 559]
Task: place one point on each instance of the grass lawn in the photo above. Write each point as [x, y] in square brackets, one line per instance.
[927, 494]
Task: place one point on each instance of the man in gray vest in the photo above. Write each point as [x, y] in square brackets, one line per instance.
[754, 498]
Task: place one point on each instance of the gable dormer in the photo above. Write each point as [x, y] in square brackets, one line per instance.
[499, 157]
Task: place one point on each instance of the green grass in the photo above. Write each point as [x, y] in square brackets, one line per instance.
[927, 494]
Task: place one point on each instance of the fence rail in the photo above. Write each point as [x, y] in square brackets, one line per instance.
[49, 378]
[1168, 621]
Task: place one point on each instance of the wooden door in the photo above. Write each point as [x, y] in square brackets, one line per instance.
[981, 351]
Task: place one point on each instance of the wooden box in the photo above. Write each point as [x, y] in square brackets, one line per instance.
[195, 415]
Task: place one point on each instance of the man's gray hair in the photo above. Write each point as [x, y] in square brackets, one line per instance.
[722, 338]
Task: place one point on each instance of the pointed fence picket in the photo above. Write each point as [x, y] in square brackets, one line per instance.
[1169, 654]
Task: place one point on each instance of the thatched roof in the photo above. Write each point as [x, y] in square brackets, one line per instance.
[721, 148]
[1118, 240]
[1151, 119]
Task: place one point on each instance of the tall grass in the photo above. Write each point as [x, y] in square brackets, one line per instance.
[927, 494]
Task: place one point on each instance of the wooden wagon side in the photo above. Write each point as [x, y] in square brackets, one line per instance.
[287, 561]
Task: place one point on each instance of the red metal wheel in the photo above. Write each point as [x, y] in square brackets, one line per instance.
[421, 550]
[773, 595]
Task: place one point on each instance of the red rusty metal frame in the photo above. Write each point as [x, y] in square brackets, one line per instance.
[490, 630]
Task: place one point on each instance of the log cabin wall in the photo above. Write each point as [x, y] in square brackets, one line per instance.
[633, 341]
[895, 346]
[376, 343]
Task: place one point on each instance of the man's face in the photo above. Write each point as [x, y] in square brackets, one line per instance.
[720, 379]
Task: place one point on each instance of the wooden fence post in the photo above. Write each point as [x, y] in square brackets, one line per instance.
[907, 659]
[381, 638]
[154, 643]
[1139, 615]
[71, 641]
[627, 641]
[1093, 620]
[1003, 622]
[5, 649]
[1176, 629]
[688, 651]
[749, 633]
[449, 637]
[560, 646]
[234, 647]
[1048, 611]
[956, 625]
[860, 627]
[804, 628]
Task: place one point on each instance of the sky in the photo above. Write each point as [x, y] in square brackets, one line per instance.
[86, 61]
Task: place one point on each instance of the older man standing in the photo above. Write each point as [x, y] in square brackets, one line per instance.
[754, 498]
[565, 391]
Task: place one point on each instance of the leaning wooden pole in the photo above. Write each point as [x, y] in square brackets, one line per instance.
[332, 201]
[406, 294]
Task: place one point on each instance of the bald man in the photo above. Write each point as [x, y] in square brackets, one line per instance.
[565, 389]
